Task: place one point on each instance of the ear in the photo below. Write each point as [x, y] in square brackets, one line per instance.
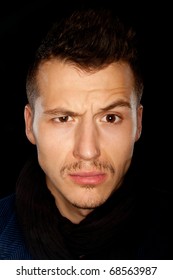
[139, 122]
[28, 116]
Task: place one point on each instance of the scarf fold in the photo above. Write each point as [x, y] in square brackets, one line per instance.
[108, 232]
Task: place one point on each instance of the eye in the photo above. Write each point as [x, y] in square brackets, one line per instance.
[63, 119]
[111, 118]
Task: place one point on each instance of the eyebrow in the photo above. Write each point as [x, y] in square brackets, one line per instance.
[61, 110]
[118, 103]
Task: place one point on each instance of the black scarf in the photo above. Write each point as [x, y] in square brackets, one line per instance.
[109, 232]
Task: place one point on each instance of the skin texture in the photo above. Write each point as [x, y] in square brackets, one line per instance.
[85, 126]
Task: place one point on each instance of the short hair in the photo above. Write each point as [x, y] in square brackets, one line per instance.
[91, 40]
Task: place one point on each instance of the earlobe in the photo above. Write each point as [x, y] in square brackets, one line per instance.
[28, 116]
[139, 122]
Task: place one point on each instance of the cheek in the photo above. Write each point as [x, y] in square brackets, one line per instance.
[119, 136]
[119, 149]
[51, 142]
[118, 144]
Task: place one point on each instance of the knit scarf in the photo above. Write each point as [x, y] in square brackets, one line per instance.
[108, 232]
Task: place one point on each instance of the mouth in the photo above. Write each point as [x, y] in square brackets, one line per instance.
[88, 178]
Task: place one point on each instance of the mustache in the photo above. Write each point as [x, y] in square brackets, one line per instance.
[80, 165]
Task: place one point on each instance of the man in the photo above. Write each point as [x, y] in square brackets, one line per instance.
[75, 199]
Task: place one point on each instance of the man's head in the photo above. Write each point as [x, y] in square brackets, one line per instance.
[90, 40]
[84, 113]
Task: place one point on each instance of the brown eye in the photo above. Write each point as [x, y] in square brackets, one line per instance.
[63, 119]
[111, 118]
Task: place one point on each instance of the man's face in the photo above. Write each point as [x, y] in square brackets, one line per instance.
[84, 126]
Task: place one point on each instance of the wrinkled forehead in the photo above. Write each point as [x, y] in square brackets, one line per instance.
[55, 74]
[68, 88]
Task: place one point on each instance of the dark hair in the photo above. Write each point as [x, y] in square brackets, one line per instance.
[90, 39]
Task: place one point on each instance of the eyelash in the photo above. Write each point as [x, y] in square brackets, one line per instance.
[57, 119]
[65, 118]
[116, 120]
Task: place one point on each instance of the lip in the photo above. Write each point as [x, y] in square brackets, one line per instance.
[92, 178]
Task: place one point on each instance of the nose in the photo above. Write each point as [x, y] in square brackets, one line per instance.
[86, 146]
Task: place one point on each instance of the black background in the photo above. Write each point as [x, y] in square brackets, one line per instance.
[23, 25]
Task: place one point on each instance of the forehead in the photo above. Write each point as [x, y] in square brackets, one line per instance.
[63, 81]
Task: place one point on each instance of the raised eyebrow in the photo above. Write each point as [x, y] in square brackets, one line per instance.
[60, 111]
[119, 103]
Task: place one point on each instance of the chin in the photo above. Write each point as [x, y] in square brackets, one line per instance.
[89, 202]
